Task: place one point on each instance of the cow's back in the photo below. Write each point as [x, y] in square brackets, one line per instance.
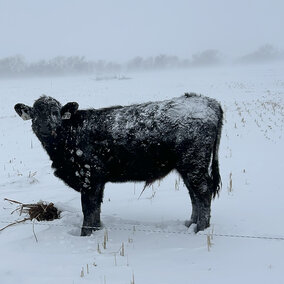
[163, 119]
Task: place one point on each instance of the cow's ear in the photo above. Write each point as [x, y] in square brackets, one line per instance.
[24, 111]
[69, 110]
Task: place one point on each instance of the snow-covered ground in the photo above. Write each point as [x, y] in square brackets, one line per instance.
[158, 248]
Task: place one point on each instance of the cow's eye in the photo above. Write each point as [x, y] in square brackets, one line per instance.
[55, 112]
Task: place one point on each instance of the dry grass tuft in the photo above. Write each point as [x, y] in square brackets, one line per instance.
[41, 211]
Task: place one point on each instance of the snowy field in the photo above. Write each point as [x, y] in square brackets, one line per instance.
[147, 241]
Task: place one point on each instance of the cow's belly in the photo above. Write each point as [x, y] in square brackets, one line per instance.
[139, 171]
[140, 165]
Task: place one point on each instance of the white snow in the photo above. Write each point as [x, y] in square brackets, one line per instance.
[158, 248]
[79, 152]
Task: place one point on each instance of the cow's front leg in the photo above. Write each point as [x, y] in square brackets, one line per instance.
[91, 200]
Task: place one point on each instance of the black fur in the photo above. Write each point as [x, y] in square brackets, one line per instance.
[141, 142]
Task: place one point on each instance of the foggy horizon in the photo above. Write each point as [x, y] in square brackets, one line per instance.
[18, 65]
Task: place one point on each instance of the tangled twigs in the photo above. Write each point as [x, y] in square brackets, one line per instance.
[41, 211]
[13, 201]
[17, 222]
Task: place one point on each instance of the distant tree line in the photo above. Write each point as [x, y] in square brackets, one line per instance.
[62, 65]
[265, 53]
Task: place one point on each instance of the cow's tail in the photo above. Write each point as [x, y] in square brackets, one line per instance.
[217, 183]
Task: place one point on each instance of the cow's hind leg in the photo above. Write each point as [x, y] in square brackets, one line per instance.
[200, 193]
[194, 203]
[91, 200]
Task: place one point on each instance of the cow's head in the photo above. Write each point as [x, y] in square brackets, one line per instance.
[46, 115]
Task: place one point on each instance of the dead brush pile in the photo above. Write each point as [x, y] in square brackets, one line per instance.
[40, 211]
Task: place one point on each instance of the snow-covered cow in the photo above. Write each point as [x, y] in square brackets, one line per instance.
[141, 142]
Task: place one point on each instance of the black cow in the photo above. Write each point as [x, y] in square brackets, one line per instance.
[141, 142]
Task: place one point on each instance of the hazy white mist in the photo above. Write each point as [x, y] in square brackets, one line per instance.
[121, 30]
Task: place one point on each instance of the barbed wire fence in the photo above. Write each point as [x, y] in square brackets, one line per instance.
[144, 229]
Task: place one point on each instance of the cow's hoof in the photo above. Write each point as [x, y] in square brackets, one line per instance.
[188, 223]
[201, 226]
[88, 231]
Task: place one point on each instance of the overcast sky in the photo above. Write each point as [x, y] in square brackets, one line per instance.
[121, 29]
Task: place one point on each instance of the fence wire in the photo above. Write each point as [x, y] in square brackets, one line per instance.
[139, 228]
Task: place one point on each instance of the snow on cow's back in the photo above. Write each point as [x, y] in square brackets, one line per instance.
[154, 118]
[192, 106]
